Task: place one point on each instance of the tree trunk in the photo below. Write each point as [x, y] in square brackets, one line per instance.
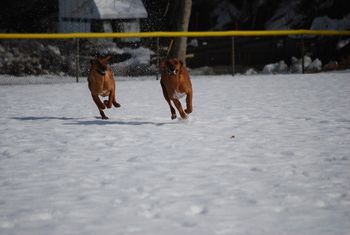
[180, 43]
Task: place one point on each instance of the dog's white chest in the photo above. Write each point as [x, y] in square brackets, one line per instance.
[104, 93]
[178, 95]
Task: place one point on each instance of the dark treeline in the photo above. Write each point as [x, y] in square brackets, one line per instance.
[42, 15]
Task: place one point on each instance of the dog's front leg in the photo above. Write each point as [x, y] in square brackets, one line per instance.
[99, 105]
[179, 108]
[166, 97]
[172, 110]
[103, 115]
[98, 102]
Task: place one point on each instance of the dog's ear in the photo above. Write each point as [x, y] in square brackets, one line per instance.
[181, 63]
[109, 57]
[105, 59]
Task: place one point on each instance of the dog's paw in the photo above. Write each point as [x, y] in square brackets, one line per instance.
[107, 104]
[183, 115]
[188, 111]
[116, 104]
[103, 115]
[173, 116]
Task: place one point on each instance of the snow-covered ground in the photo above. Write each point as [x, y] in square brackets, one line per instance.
[261, 154]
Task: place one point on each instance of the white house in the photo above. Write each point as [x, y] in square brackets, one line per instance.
[100, 15]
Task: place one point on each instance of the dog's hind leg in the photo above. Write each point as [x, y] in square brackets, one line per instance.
[189, 103]
[116, 104]
[110, 100]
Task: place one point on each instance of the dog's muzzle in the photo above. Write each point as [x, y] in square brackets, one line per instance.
[101, 71]
[172, 70]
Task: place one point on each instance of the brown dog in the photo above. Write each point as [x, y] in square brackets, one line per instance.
[102, 83]
[175, 82]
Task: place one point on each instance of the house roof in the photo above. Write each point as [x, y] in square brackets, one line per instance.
[102, 9]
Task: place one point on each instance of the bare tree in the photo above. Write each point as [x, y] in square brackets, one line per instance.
[182, 10]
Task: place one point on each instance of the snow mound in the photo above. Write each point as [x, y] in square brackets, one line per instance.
[309, 65]
[279, 67]
[251, 71]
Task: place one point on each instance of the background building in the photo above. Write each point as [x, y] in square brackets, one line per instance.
[101, 16]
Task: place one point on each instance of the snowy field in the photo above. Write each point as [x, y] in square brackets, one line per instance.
[262, 154]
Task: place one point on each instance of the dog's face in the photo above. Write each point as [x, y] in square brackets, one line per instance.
[100, 64]
[104, 60]
[171, 66]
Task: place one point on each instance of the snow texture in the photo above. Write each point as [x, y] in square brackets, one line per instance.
[261, 154]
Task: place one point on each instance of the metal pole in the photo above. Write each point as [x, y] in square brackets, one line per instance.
[302, 54]
[77, 60]
[233, 57]
[158, 59]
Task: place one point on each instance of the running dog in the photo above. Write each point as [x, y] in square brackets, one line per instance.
[176, 83]
[101, 83]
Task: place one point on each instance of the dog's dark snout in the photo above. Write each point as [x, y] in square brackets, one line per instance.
[171, 69]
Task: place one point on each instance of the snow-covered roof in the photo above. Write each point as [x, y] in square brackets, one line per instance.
[102, 9]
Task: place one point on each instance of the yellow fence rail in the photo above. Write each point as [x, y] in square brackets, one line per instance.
[240, 33]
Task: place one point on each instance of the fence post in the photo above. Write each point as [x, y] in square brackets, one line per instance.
[77, 61]
[233, 57]
[158, 59]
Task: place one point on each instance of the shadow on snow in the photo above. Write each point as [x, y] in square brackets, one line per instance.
[92, 122]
